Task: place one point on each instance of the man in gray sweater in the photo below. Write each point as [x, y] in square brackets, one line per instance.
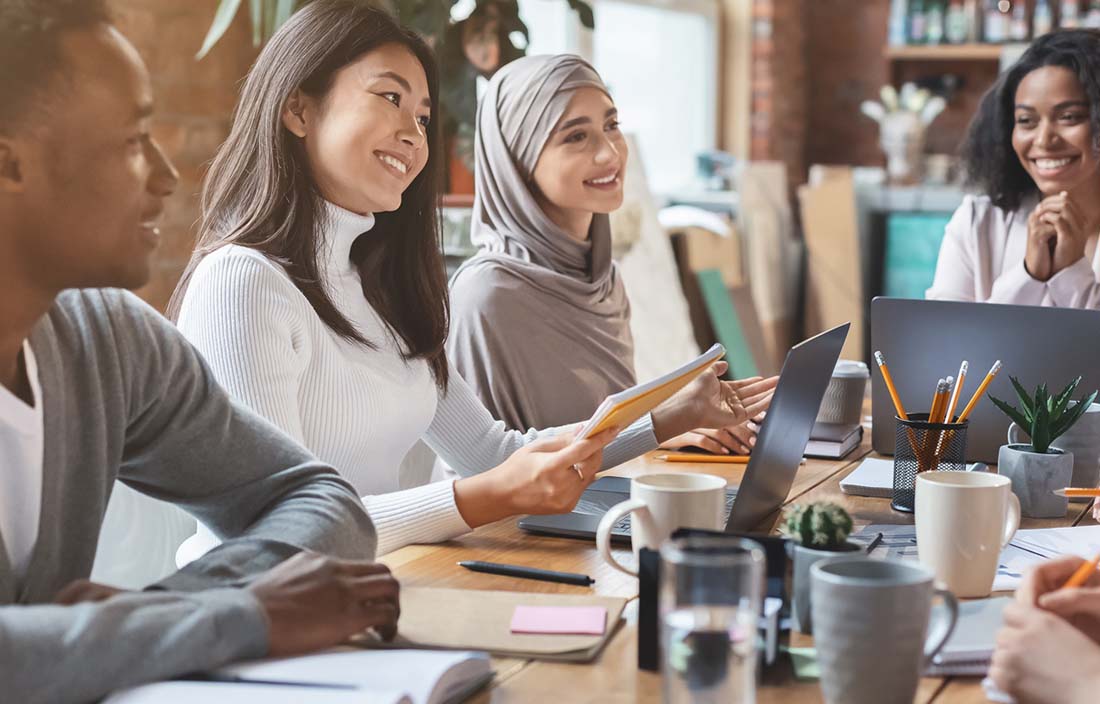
[96, 386]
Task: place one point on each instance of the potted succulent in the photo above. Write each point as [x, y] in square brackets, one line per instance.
[1038, 468]
[817, 531]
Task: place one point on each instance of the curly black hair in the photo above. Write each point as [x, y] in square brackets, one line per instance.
[987, 153]
[31, 59]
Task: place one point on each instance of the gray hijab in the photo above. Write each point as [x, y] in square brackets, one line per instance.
[540, 321]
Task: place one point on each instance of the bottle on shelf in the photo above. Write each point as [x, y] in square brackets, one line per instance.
[918, 22]
[1070, 16]
[1019, 31]
[995, 24]
[935, 29]
[973, 9]
[1092, 19]
[899, 11]
[1043, 20]
[956, 24]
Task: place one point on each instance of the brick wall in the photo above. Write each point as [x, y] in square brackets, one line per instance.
[194, 104]
[845, 42]
[780, 111]
[815, 61]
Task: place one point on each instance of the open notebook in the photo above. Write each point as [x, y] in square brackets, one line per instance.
[343, 676]
[627, 406]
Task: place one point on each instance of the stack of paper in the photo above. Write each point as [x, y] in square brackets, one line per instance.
[1027, 548]
[873, 477]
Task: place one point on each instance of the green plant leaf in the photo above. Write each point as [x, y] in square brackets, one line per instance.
[256, 13]
[584, 13]
[1040, 428]
[1062, 401]
[1025, 399]
[223, 17]
[1010, 411]
[1071, 416]
[283, 10]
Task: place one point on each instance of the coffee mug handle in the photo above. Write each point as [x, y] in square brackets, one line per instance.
[939, 632]
[1012, 430]
[613, 516]
[1012, 519]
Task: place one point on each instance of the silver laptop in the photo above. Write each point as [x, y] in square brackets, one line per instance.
[926, 340]
[770, 472]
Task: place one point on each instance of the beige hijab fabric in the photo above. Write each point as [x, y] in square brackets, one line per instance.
[539, 321]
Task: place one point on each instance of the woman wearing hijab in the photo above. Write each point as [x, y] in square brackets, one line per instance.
[318, 296]
[540, 319]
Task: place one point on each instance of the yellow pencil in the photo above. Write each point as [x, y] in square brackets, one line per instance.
[1082, 574]
[963, 369]
[939, 401]
[1074, 492]
[890, 385]
[980, 390]
[714, 459]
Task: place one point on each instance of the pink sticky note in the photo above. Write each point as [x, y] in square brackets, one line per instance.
[560, 620]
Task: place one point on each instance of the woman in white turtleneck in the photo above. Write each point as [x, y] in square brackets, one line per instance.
[330, 321]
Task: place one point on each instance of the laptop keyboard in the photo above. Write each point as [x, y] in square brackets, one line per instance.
[623, 525]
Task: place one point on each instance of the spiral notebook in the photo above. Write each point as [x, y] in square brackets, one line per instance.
[970, 647]
[622, 409]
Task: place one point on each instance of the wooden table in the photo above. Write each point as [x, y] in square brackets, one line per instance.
[614, 677]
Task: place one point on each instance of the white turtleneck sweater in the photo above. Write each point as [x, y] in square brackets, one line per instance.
[356, 408]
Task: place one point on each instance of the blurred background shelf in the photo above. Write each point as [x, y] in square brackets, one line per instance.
[946, 52]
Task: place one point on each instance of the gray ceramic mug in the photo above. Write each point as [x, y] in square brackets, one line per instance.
[871, 628]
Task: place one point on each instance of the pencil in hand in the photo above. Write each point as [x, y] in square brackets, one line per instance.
[1082, 574]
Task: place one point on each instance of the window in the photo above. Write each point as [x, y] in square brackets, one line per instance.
[660, 60]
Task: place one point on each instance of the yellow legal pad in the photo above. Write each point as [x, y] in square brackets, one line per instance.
[622, 409]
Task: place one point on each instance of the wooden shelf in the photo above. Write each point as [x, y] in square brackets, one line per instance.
[945, 52]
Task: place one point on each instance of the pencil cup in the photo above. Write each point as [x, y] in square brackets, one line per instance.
[920, 446]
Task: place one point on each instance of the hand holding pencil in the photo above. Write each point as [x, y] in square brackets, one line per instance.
[1046, 587]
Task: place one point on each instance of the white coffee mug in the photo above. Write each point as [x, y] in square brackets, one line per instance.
[661, 503]
[964, 521]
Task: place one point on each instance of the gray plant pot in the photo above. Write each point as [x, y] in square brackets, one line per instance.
[1034, 478]
[804, 558]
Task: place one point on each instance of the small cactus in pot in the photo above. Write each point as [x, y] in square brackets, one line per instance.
[821, 526]
[817, 531]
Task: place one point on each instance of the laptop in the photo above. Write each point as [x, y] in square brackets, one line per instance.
[924, 341]
[770, 472]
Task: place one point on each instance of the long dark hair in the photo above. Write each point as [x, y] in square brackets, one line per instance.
[991, 162]
[259, 191]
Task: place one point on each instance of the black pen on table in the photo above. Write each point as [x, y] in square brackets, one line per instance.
[581, 580]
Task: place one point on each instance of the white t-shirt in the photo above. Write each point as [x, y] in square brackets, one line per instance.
[21, 447]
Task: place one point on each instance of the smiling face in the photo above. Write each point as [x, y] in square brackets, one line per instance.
[366, 139]
[86, 180]
[580, 170]
[1052, 135]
